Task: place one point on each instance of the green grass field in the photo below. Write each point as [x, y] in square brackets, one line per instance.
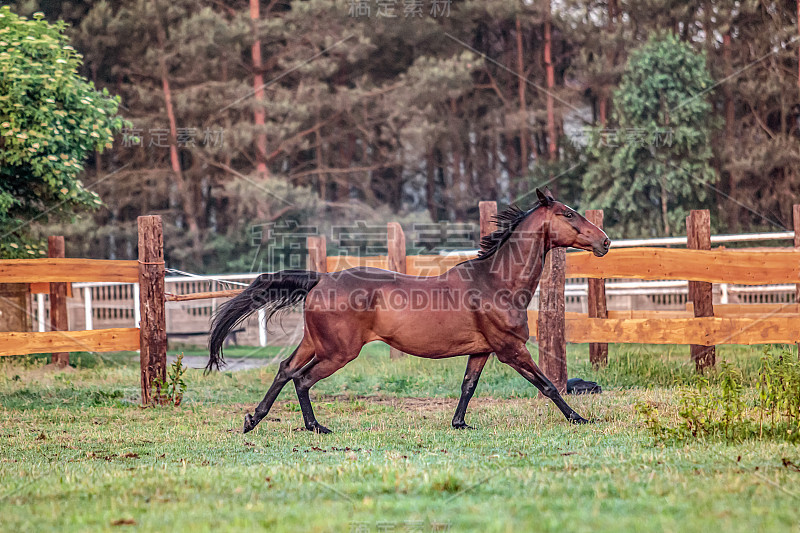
[78, 453]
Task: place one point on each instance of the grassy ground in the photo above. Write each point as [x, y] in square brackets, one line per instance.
[77, 453]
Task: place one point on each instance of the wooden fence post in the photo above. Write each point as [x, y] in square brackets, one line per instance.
[59, 318]
[396, 261]
[596, 300]
[317, 253]
[396, 245]
[796, 226]
[153, 324]
[698, 236]
[488, 211]
[552, 336]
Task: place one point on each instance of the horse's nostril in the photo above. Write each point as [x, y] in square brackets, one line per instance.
[606, 243]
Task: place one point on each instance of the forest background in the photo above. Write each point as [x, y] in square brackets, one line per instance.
[252, 124]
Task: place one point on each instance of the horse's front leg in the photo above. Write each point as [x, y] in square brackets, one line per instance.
[471, 376]
[518, 358]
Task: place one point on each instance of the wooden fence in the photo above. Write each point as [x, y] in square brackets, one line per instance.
[148, 272]
[57, 272]
[701, 324]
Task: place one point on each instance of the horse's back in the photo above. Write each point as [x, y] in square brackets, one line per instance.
[365, 273]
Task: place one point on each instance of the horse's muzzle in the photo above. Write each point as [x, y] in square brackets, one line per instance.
[601, 249]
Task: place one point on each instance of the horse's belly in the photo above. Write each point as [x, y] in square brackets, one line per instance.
[429, 334]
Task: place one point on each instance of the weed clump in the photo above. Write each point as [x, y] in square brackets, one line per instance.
[730, 411]
[172, 390]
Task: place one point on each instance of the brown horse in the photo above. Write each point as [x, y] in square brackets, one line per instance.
[476, 308]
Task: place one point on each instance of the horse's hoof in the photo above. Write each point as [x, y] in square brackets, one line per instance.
[579, 420]
[462, 425]
[248, 424]
[318, 428]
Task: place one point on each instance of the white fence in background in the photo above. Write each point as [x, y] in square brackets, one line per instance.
[677, 241]
[107, 305]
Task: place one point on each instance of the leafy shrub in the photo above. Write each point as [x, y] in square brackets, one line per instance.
[51, 119]
[723, 411]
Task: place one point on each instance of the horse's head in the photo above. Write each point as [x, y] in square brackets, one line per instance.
[569, 228]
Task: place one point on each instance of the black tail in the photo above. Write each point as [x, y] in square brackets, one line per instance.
[273, 291]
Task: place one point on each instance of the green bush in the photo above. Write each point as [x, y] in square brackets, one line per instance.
[51, 119]
[730, 411]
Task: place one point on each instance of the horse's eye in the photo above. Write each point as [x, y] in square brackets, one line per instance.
[567, 214]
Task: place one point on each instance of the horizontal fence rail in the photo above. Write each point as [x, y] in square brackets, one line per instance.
[703, 331]
[229, 293]
[714, 266]
[100, 340]
[67, 270]
[680, 327]
[745, 267]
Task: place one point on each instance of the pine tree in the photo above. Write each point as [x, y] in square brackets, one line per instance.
[655, 164]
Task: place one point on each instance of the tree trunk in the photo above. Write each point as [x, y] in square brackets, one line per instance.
[258, 88]
[664, 210]
[322, 178]
[523, 111]
[552, 148]
[186, 195]
[602, 103]
[430, 185]
[730, 178]
[511, 155]
[458, 178]
[458, 182]
[227, 155]
[441, 183]
[98, 157]
[347, 154]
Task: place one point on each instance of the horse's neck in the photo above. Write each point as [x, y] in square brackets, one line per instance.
[518, 263]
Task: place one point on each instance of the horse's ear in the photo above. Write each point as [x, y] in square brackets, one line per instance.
[544, 199]
[549, 194]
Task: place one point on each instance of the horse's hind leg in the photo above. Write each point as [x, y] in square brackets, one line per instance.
[474, 367]
[520, 360]
[287, 370]
[321, 369]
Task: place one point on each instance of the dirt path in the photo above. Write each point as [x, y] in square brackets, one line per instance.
[233, 364]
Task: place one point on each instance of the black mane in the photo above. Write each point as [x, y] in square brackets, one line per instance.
[507, 221]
